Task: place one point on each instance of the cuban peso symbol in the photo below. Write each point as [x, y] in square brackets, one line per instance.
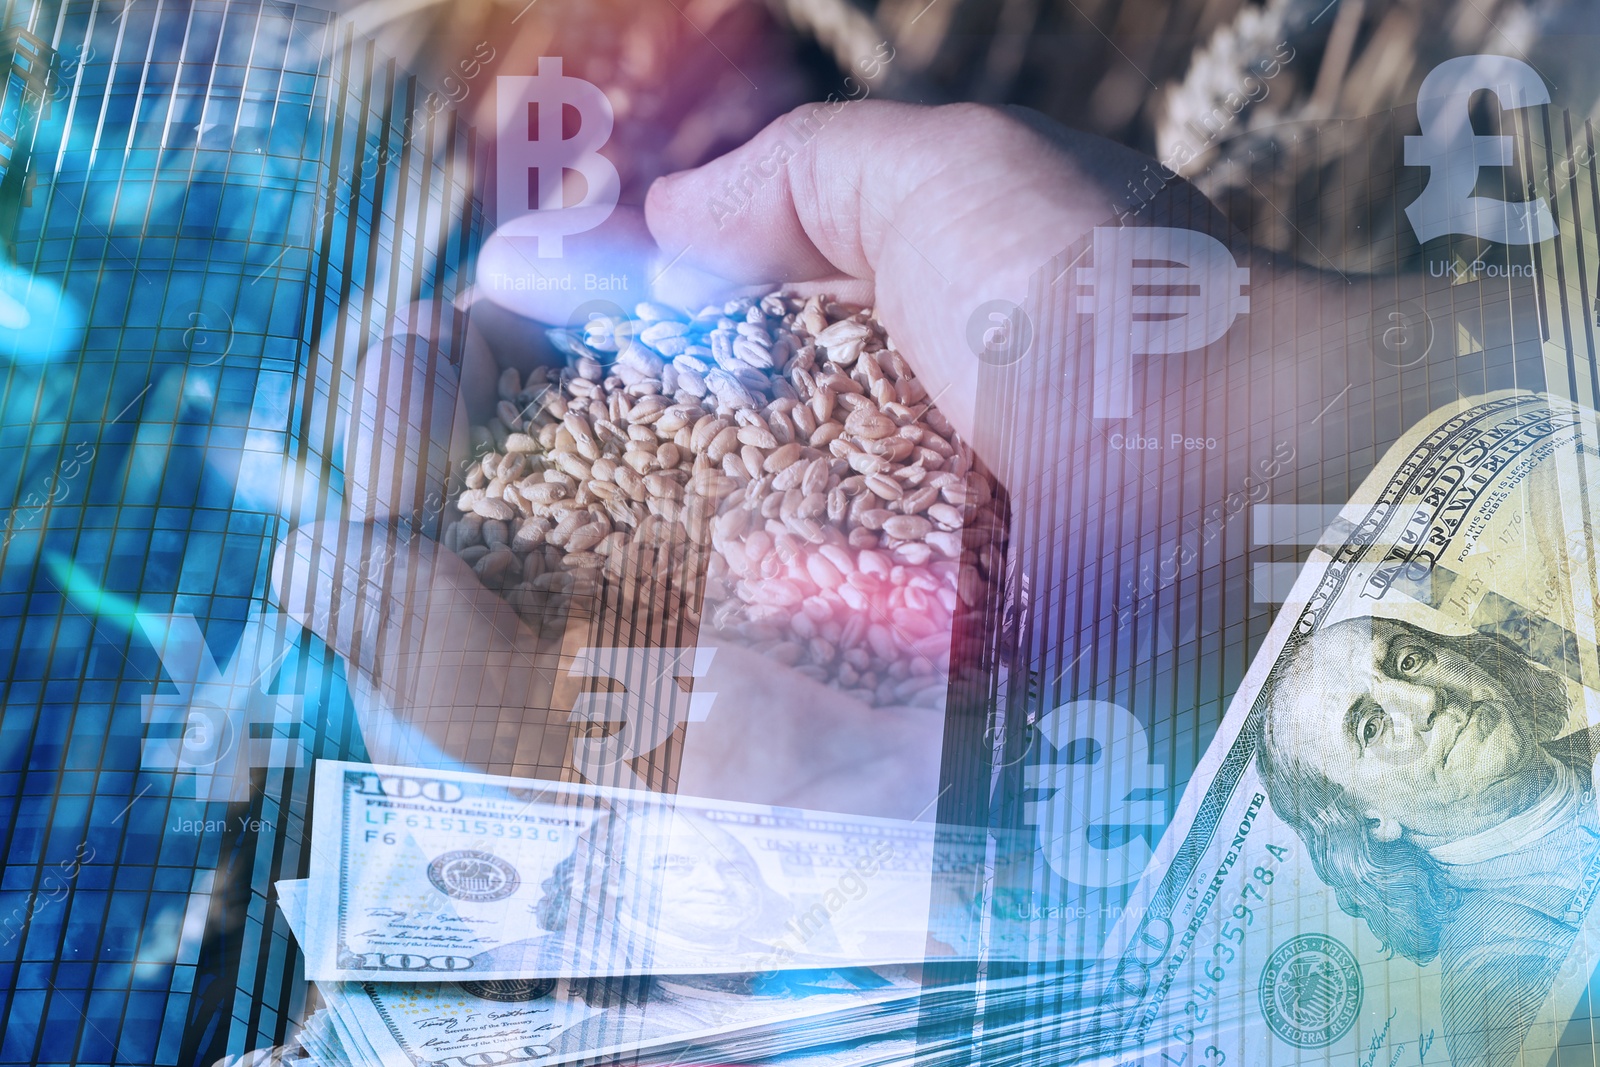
[533, 156]
[1094, 792]
[1154, 290]
[1453, 153]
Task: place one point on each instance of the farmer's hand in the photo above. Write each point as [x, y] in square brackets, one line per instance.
[921, 213]
[444, 672]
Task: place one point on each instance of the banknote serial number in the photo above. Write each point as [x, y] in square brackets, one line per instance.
[1223, 953]
[452, 824]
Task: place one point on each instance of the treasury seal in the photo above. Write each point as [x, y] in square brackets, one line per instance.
[1311, 991]
[509, 990]
[468, 874]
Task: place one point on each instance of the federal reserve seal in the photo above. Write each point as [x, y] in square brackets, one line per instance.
[468, 874]
[509, 990]
[1311, 991]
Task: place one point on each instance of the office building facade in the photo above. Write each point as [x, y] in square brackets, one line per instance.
[217, 207]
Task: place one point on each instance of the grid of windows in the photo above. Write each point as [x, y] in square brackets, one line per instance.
[235, 201]
[1146, 585]
[232, 200]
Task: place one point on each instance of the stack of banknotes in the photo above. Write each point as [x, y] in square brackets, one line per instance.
[1389, 853]
[454, 919]
[685, 1019]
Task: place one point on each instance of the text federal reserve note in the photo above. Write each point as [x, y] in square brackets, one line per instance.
[435, 875]
[1391, 851]
[548, 1021]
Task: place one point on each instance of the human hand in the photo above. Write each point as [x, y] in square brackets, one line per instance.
[921, 213]
[443, 670]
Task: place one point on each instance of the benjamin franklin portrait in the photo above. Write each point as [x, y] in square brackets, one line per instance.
[651, 882]
[653, 877]
[1441, 794]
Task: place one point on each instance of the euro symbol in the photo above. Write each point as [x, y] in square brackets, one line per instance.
[532, 159]
[1095, 792]
[1453, 153]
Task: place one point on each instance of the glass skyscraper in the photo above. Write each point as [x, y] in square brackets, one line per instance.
[209, 210]
[1160, 546]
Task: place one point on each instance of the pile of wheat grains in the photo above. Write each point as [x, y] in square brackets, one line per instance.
[769, 468]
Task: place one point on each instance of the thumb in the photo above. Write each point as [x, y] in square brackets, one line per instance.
[409, 415]
[924, 213]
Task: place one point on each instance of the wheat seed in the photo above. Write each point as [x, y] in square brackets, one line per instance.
[776, 452]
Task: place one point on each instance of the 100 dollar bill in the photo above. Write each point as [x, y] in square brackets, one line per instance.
[545, 1022]
[1391, 850]
[433, 875]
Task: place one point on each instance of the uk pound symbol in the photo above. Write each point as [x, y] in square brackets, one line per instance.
[1094, 792]
[1155, 291]
[533, 156]
[1453, 153]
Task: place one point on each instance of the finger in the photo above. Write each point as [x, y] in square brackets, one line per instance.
[607, 264]
[821, 194]
[926, 212]
[680, 283]
[606, 271]
[450, 657]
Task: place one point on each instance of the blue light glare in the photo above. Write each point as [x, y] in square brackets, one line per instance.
[38, 320]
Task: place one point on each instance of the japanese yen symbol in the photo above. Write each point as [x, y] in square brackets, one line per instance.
[1453, 153]
[1156, 291]
[534, 158]
[204, 729]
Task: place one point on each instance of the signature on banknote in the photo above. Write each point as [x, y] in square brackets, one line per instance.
[430, 875]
